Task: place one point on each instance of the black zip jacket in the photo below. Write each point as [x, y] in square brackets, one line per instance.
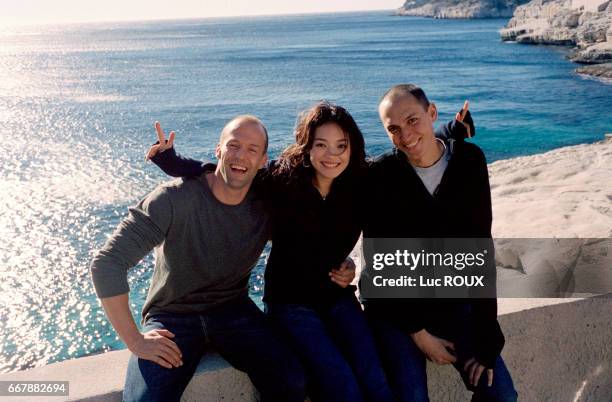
[399, 206]
[310, 236]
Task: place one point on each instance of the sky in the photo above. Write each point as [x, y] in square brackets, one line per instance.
[24, 12]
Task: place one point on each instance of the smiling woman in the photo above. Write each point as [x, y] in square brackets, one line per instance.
[329, 156]
[327, 142]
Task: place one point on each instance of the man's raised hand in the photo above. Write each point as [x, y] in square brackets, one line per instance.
[460, 117]
[162, 144]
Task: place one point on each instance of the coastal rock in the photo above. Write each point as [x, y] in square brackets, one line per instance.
[593, 27]
[563, 193]
[585, 24]
[595, 54]
[597, 70]
[552, 21]
[460, 8]
[543, 22]
[553, 221]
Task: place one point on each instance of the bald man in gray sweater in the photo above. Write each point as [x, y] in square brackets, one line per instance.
[207, 233]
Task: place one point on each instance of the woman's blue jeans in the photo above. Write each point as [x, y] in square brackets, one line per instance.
[336, 348]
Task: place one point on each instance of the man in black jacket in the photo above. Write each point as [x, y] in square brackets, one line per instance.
[432, 188]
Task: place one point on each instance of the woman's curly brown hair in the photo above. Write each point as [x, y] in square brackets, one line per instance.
[292, 161]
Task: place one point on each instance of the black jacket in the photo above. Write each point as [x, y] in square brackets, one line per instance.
[310, 236]
[401, 207]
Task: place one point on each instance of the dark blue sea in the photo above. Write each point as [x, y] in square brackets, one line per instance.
[78, 102]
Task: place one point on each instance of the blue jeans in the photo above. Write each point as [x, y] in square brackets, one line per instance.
[405, 365]
[337, 350]
[239, 332]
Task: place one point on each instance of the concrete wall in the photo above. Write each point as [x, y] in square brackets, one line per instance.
[557, 350]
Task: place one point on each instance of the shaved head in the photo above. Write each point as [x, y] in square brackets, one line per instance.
[241, 120]
[402, 90]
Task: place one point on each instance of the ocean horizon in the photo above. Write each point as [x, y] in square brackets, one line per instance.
[78, 102]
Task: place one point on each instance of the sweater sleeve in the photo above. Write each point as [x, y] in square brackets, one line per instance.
[481, 214]
[415, 319]
[144, 228]
[177, 165]
[489, 337]
[455, 130]
[408, 315]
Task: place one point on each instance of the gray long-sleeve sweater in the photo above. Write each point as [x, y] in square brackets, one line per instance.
[204, 249]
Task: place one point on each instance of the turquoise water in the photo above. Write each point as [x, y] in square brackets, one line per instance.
[78, 102]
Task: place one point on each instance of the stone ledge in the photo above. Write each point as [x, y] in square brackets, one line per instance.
[556, 349]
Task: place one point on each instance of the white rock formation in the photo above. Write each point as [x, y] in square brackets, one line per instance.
[566, 192]
[553, 214]
[460, 8]
[585, 24]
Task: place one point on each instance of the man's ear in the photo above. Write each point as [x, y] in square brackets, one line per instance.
[218, 151]
[264, 161]
[432, 110]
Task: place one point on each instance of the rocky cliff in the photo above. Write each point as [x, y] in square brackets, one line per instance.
[460, 8]
[585, 24]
